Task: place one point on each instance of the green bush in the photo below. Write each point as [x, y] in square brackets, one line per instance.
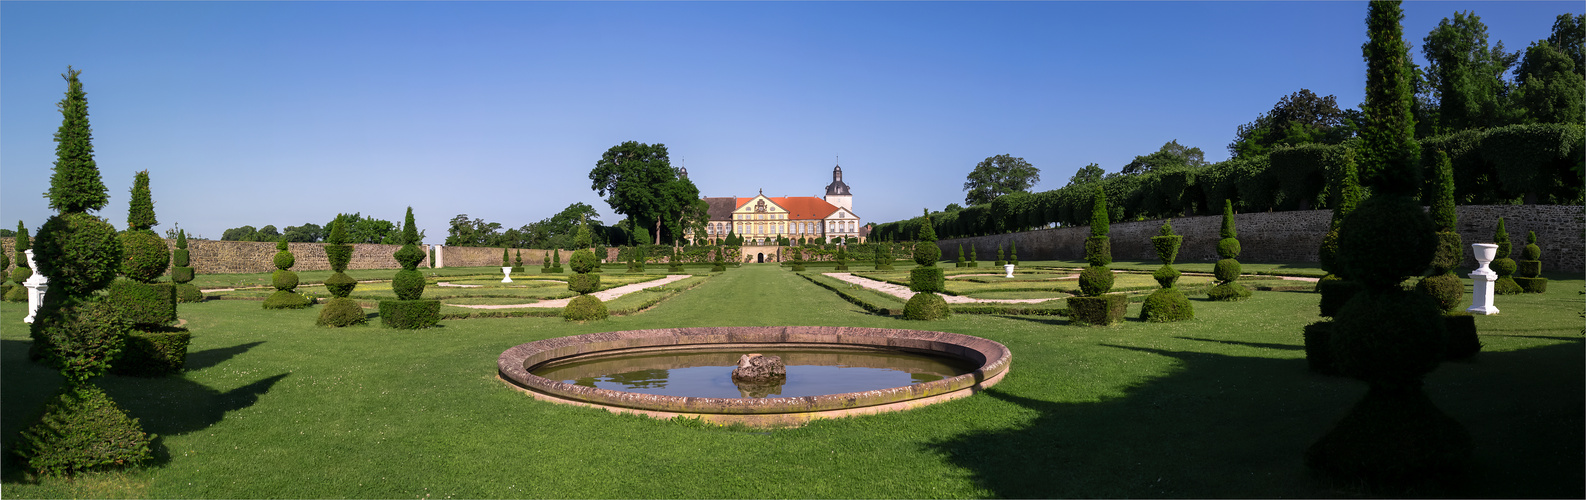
[1531, 285]
[1166, 305]
[339, 284]
[927, 279]
[1000, 261]
[83, 430]
[1450, 251]
[342, 311]
[1166, 275]
[153, 352]
[1336, 293]
[283, 280]
[1228, 248]
[1098, 251]
[188, 292]
[144, 304]
[410, 314]
[1227, 292]
[408, 284]
[1319, 348]
[1531, 250]
[1388, 337]
[583, 261]
[181, 274]
[926, 306]
[1100, 310]
[1463, 342]
[961, 262]
[1095, 280]
[17, 293]
[1503, 266]
[1529, 268]
[1167, 246]
[283, 299]
[1327, 255]
[583, 282]
[339, 256]
[1013, 253]
[585, 308]
[79, 336]
[144, 255]
[1447, 289]
[1386, 238]
[283, 259]
[79, 253]
[1226, 270]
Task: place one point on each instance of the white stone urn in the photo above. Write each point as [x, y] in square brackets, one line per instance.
[506, 272]
[1482, 279]
[36, 285]
[1009, 268]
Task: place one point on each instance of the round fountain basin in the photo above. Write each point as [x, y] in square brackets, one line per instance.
[961, 366]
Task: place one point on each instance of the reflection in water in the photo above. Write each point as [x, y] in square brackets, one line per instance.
[810, 372]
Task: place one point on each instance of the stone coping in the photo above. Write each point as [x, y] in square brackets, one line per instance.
[992, 358]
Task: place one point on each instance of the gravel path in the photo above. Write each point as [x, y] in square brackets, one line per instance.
[603, 295]
[904, 293]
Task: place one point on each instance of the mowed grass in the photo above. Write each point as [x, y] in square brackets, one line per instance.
[1221, 406]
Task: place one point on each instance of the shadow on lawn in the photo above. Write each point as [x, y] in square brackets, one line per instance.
[1228, 426]
[1258, 345]
[211, 357]
[165, 406]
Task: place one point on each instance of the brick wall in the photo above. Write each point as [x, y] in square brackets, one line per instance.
[1293, 236]
[491, 256]
[226, 257]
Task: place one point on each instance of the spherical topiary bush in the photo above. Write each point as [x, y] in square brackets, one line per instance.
[144, 255]
[1446, 289]
[340, 310]
[1095, 280]
[285, 281]
[283, 257]
[79, 253]
[582, 261]
[1384, 240]
[1388, 337]
[1530, 267]
[1228, 248]
[1167, 305]
[926, 253]
[584, 283]
[408, 285]
[926, 306]
[1166, 276]
[585, 308]
[410, 311]
[1226, 270]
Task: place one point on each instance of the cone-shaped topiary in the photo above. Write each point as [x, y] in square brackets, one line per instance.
[973, 256]
[600, 255]
[18, 292]
[1000, 261]
[75, 330]
[556, 260]
[720, 264]
[182, 271]
[505, 259]
[961, 261]
[1013, 252]
[545, 264]
[1443, 285]
[1169, 303]
[1227, 270]
[674, 260]
[1388, 337]
[340, 310]
[285, 281]
[1347, 186]
[517, 261]
[1096, 306]
[926, 279]
[584, 307]
[842, 258]
[797, 260]
[147, 305]
[883, 256]
[636, 257]
[1530, 266]
[410, 311]
[1503, 265]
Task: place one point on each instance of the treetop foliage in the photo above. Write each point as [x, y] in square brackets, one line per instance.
[638, 181]
[140, 215]
[76, 185]
[999, 175]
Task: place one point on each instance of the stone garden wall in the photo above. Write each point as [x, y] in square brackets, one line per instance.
[1293, 236]
[491, 256]
[227, 257]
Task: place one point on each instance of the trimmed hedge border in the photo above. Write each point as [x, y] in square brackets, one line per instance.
[153, 353]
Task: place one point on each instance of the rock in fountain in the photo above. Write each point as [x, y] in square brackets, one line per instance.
[755, 369]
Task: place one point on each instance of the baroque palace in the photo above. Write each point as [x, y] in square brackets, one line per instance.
[760, 220]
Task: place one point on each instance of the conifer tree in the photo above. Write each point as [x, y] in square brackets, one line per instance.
[961, 262]
[1227, 270]
[926, 279]
[410, 311]
[340, 310]
[1503, 265]
[584, 307]
[19, 293]
[1531, 279]
[1095, 306]
[182, 271]
[75, 329]
[1168, 303]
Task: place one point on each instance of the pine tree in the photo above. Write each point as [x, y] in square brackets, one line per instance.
[76, 186]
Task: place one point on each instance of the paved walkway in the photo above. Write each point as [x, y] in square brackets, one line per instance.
[603, 295]
[904, 293]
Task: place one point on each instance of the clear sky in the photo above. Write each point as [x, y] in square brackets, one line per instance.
[284, 113]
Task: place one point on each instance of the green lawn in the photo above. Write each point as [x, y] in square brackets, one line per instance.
[1221, 406]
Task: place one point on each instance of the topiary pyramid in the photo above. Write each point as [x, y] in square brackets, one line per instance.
[517, 262]
[636, 257]
[18, 292]
[556, 260]
[182, 271]
[153, 348]
[584, 307]
[1227, 270]
[1095, 306]
[1167, 304]
[674, 260]
[926, 279]
[1503, 265]
[961, 261]
[284, 281]
[505, 258]
[796, 262]
[1443, 284]
[883, 256]
[842, 258]
[974, 256]
[720, 264]
[76, 330]
[1013, 252]
[340, 310]
[545, 264]
[1000, 261]
[409, 311]
[1531, 279]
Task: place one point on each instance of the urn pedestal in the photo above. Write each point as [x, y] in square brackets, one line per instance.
[506, 273]
[1483, 279]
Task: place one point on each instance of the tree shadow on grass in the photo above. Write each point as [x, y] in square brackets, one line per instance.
[1044, 320]
[165, 406]
[1225, 426]
[211, 357]
[1258, 345]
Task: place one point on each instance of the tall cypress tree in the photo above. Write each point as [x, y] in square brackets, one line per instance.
[76, 186]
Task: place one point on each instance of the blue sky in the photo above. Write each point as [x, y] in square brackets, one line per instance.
[283, 113]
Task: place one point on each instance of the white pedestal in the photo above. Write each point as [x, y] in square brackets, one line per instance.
[506, 272]
[1008, 267]
[36, 285]
[1483, 280]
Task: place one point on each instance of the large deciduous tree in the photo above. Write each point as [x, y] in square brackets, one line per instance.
[999, 175]
[1086, 175]
[1172, 155]
[1298, 118]
[1548, 86]
[1465, 76]
[638, 181]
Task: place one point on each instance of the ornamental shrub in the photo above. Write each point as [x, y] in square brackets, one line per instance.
[182, 271]
[1095, 306]
[926, 279]
[556, 260]
[674, 261]
[1100, 310]
[80, 336]
[797, 261]
[1502, 264]
[83, 430]
[1000, 261]
[842, 258]
[340, 310]
[504, 262]
[961, 262]
[1095, 281]
[144, 255]
[5, 275]
[974, 260]
[545, 264]
[926, 306]
[585, 308]
[18, 292]
[1530, 267]
[720, 264]
[1463, 342]
[1167, 304]
[1227, 269]
[582, 262]
[410, 311]
[153, 353]
[636, 258]
[79, 253]
[1319, 348]
[517, 262]
[146, 305]
[285, 281]
[584, 283]
[410, 314]
[1013, 252]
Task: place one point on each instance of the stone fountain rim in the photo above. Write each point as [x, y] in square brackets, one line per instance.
[993, 360]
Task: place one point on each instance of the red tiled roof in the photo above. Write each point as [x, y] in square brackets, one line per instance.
[799, 207]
